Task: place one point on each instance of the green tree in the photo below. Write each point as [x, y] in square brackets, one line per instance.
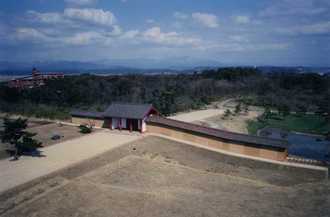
[86, 129]
[284, 110]
[238, 108]
[15, 134]
[302, 109]
[325, 107]
[227, 114]
[246, 108]
[328, 136]
[267, 113]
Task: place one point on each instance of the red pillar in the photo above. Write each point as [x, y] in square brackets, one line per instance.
[120, 124]
[130, 125]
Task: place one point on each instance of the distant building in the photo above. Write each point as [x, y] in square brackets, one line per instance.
[120, 116]
[37, 79]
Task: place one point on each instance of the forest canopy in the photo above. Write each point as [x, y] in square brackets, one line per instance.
[299, 92]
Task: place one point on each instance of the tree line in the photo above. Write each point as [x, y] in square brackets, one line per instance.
[299, 92]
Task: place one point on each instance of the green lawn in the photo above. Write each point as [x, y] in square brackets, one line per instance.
[314, 124]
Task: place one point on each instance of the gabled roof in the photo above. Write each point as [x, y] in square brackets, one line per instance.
[221, 134]
[118, 110]
[121, 110]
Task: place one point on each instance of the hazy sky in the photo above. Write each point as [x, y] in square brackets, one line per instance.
[256, 32]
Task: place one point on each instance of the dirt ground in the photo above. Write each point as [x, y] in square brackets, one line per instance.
[212, 110]
[235, 123]
[157, 177]
[194, 116]
[45, 131]
[59, 156]
[212, 116]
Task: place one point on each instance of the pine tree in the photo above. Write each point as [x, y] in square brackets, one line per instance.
[14, 134]
[246, 108]
[327, 136]
[227, 114]
[238, 108]
[267, 113]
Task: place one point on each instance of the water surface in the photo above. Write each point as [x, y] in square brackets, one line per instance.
[303, 145]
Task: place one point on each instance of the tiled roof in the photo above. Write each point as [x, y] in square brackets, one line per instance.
[118, 110]
[121, 110]
[221, 134]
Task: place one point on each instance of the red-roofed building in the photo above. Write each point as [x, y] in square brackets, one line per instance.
[37, 79]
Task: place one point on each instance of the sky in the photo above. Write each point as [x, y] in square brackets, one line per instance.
[246, 32]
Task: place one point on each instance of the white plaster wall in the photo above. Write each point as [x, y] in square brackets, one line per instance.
[144, 125]
[123, 123]
[115, 123]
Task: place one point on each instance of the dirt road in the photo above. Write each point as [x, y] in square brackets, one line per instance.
[61, 155]
[197, 115]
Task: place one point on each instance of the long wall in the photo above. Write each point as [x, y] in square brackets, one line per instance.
[267, 152]
[236, 147]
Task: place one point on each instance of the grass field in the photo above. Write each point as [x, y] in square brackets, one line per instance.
[313, 124]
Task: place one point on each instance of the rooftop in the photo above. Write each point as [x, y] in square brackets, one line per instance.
[221, 134]
[127, 110]
[118, 110]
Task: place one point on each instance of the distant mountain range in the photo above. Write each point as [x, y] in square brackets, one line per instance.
[118, 66]
[108, 66]
[296, 69]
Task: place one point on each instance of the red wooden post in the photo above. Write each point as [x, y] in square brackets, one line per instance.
[130, 125]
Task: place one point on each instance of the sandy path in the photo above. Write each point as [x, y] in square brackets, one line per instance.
[235, 123]
[13, 173]
[214, 117]
[197, 115]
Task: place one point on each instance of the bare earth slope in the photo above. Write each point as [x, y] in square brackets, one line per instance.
[146, 181]
[213, 116]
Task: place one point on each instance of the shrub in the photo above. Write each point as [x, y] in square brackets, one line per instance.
[246, 108]
[238, 108]
[85, 129]
[14, 133]
[328, 136]
[227, 114]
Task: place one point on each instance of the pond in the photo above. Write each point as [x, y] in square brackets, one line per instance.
[302, 145]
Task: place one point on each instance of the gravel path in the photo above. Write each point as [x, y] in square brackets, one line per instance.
[61, 155]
